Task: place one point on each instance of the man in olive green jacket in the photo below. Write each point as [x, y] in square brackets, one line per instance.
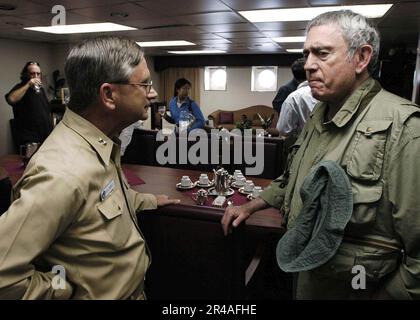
[72, 230]
[375, 137]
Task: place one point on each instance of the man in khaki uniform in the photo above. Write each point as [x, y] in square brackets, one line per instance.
[374, 136]
[71, 231]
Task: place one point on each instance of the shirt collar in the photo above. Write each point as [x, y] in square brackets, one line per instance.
[357, 100]
[98, 140]
[303, 84]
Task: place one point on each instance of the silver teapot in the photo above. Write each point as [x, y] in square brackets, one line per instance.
[222, 181]
[200, 197]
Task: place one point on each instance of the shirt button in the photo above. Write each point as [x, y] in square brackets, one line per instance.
[102, 141]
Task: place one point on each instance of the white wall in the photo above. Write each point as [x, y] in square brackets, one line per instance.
[13, 56]
[238, 93]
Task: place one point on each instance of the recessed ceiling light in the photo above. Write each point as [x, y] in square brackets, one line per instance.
[165, 43]
[197, 52]
[7, 7]
[82, 28]
[306, 14]
[294, 50]
[289, 39]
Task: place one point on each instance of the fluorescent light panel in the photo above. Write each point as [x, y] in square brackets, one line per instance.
[197, 51]
[289, 39]
[306, 14]
[82, 28]
[294, 50]
[165, 43]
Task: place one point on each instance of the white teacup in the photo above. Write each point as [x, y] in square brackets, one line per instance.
[237, 173]
[249, 186]
[240, 181]
[204, 179]
[256, 191]
[185, 181]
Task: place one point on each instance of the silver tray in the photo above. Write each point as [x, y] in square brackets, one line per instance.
[212, 192]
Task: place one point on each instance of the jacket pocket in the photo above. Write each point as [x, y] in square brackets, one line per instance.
[365, 203]
[368, 150]
[375, 263]
[116, 222]
[378, 265]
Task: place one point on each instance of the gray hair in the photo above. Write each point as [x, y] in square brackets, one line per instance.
[356, 29]
[96, 61]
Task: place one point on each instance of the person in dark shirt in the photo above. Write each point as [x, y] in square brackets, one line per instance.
[31, 108]
[284, 91]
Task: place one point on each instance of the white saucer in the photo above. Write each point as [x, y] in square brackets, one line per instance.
[250, 197]
[198, 184]
[241, 190]
[178, 185]
[236, 186]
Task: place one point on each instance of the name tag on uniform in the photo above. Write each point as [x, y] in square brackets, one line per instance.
[107, 190]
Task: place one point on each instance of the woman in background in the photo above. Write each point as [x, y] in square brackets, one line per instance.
[181, 105]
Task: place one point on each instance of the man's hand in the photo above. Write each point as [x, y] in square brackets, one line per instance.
[34, 81]
[163, 200]
[234, 216]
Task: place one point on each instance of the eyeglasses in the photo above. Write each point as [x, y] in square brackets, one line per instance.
[147, 85]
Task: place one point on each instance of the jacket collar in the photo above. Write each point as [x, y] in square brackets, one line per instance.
[357, 101]
[99, 141]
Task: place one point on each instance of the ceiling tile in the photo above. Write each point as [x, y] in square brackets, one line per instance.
[229, 27]
[212, 18]
[73, 4]
[181, 7]
[264, 4]
[240, 35]
[45, 19]
[104, 12]
[276, 26]
[25, 7]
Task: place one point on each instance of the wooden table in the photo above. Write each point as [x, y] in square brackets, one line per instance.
[15, 160]
[161, 180]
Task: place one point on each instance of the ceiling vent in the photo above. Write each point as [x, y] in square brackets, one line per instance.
[7, 7]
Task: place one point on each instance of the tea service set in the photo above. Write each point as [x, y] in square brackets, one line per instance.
[220, 185]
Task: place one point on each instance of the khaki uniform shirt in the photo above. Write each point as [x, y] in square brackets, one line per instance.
[375, 137]
[73, 208]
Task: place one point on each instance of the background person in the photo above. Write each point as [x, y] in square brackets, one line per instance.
[31, 109]
[296, 110]
[284, 91]
[181, 104]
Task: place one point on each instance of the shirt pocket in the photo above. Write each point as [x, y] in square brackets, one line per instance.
[365, 203]
[368, 150]
[116, 222]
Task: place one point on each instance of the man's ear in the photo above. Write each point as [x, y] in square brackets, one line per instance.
[107, 95]
[363, 57]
